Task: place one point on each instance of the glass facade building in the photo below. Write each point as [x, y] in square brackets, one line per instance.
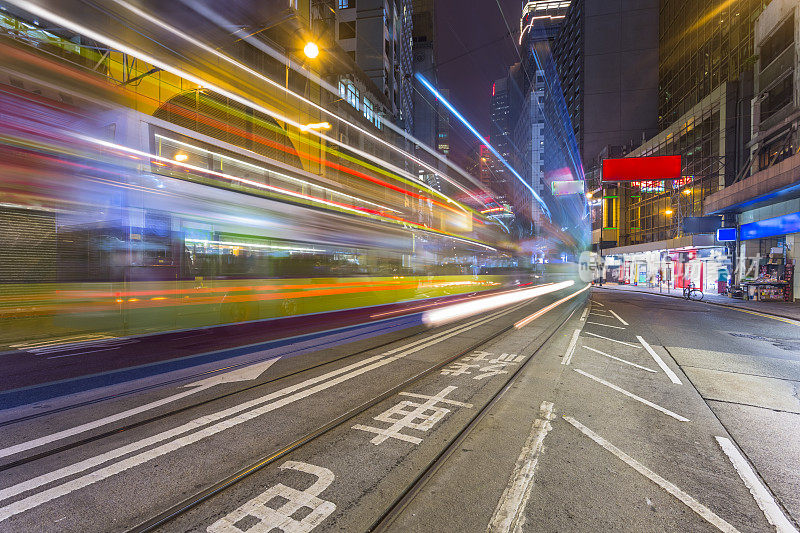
[702, 43]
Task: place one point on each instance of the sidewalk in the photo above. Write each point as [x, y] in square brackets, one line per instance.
[782, 309]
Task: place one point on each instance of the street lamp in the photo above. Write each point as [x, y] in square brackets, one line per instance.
[319, 126]
[311, 50]
[668, 212]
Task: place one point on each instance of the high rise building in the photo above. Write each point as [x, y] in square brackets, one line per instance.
[702, 44]
[377, 34]
[606, 58]
[500, 128]
[424, 55]
[539, 25]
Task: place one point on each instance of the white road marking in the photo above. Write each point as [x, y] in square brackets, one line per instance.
[703, 511]
[761, 495]
[614, 357]
[585, 312]
[618, 318]
[242, 374]
[660, 362]
[571, 349]
[509, 514]
[613, 340]
[287, 395]
[413, 415]
[598, 303]
[632, 395]
[605, 325]
[281, 518]
[601, 314]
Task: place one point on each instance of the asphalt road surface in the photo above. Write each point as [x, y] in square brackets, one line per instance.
[600, 410]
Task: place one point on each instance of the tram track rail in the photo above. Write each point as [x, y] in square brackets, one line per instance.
[168, 516]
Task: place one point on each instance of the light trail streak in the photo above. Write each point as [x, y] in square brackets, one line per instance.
[277, 85]
[263, 169]
[78, 28]
[469, 126]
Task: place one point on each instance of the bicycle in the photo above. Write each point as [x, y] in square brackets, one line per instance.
[693, 293]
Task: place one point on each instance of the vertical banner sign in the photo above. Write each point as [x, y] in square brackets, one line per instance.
[667, 167]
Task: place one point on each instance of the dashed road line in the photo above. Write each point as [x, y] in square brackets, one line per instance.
[633, 396]
[614, 357]
[613, 340]
[571, 349]
[618, 318]
[660, 362]
[605, 325]
[509, 514]
[703, 511]
[761, 495]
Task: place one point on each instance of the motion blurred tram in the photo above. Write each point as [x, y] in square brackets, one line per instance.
[122, 224]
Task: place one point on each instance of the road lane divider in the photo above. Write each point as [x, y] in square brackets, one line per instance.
[450, 313]
[615, 358]
[247, 373]
[208, 425]
[605, 325]
[660, 362]
[509, 514]
[567, 359]
[631, 395]
[530, 318]
[618, 318]
[761, 495]
[704, 512]
[613, 340]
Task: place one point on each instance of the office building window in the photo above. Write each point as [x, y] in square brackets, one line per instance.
[347, 30]
[344, 4]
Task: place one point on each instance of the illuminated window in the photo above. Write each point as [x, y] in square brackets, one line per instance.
[369, 111]
[344, 4]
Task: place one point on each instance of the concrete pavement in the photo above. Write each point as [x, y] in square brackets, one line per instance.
[632, 413]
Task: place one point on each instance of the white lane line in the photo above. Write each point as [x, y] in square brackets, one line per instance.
[571, 349]
[242, 374]
[509, 514]
[613, 340]
[618, 318]
[197, 432]
[704, 512]
[614, 357]
[761, 495]
[604, 325]
[601, 314]
[660, 362]
[632, 395]
[598, 303]
[585, 312]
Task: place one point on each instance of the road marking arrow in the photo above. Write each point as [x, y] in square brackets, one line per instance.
[247, 373]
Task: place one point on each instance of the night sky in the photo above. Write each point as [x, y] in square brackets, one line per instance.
[477, 27]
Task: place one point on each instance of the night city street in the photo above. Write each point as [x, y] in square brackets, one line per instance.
[399, 265]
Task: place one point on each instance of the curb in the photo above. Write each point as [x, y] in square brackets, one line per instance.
[736, 307]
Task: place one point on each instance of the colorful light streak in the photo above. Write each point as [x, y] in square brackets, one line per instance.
[480, 138]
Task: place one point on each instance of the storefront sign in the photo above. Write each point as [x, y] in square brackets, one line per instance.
[667, 167]
[771, 227]
[726, 234]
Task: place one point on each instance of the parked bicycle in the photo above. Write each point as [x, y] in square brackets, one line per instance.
[692, 293]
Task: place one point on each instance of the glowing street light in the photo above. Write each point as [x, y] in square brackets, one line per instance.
[668, 212]
[319, 126]
[179, 157]
[687, 191]
[311, 50]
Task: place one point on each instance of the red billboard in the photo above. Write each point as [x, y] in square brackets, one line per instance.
[665, 167]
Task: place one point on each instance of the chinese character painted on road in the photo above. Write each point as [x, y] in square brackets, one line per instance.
[496, 366]
[413, 415]
[279, 507]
